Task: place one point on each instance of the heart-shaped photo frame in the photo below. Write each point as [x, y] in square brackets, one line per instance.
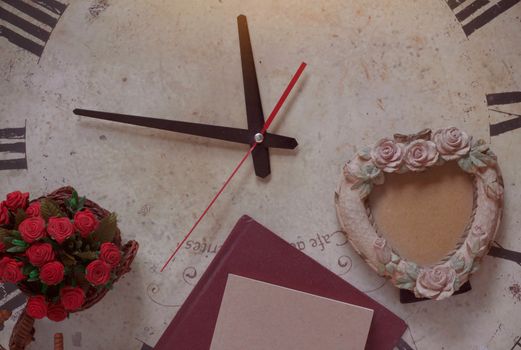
[419, 154]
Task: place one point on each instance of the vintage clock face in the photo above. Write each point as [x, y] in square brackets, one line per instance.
[374, 68]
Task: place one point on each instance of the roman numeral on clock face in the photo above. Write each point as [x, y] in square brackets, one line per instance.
[402, 345]
[473, 15]
[12, 145]
[517, 345]
[504, 98]
[498, 251]
[27, 25]
[11, 298]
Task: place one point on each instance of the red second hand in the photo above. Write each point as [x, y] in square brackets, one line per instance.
[267, 124]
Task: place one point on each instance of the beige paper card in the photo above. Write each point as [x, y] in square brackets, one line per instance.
[256, 315]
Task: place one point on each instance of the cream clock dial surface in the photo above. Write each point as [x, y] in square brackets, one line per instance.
[374, 68]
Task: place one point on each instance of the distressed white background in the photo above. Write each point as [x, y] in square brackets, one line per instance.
[375, 68]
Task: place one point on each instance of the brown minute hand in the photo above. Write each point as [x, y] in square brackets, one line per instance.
[205, 130]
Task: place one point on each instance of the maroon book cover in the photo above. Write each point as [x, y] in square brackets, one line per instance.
[253, 251]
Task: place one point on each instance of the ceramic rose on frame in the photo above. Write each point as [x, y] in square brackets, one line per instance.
[415, 154]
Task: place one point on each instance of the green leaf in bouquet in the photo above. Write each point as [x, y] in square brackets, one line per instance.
[19, 243]
[8, 240]
[106, 229]
[87, 255]
[81, 203]
[75, 203]
[19, 217]
[44, 288]
[72, 203]
[52, 242]
[16, 249]
[34, 275]
[74, 199]
[21, 258]
[49, 208]
[27, 269]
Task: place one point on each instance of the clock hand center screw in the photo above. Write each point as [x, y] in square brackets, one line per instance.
[259, 137]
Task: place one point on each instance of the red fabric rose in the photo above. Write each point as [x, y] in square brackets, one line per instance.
[110, 254]
[56, 312]
[10, 270]
[32, 229]
[52, 273]
[16, 200]
[60, 229]
[36, 307]
[72, 298]
[40, 253]
[85, 222]
[33, 210]
[98, 272]
[4, 214]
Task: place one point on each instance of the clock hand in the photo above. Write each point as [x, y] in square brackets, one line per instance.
[260, 156]
[198, 129]
[249, 77]
[272, 116]
[278, 141]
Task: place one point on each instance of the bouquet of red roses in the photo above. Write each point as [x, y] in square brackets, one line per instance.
[59, 252]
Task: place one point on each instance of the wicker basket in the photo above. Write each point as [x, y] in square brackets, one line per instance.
[23, 330]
